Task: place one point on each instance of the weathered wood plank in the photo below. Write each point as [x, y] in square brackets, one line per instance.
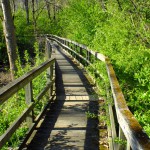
[29, 100]
[134, 133]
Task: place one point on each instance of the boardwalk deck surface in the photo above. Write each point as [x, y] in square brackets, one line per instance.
[66, 125]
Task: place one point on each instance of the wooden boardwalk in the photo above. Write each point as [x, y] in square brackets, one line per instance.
[66, 125]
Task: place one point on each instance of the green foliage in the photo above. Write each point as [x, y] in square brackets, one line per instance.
[14, 107]
[120, 141]
[78, 20]
[91, 115]
[10, 110]
[123, 35]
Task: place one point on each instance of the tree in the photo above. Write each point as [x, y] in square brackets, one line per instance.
[119, 4]
[33, 15]
[103, 5]
[54, 7]
[27, 10]
[48, 8]
[9, 33]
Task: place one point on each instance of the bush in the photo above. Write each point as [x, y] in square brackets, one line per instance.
[121, 34]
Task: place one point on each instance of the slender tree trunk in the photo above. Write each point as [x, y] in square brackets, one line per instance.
[27, 10]
[9, 32]
[37, 4]
[33, 15]
[14, 7]
[54, 7]
[133, 4]
[103, 5]
[119, 4]
[48, 8]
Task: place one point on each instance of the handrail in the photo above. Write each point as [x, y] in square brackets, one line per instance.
[8, 90]
[129, 128]
[25, 82]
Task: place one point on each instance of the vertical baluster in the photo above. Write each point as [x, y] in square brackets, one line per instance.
[77, 57]
[71, 48]
[121, 137]
[50, 69]
[50, 80]
[90, 57]
[66, 45]
[87, 56]
[128, 146]
[75, 49]
[29, 100]
[80, 52]
[48, 49]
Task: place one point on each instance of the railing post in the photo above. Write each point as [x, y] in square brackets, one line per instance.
[76, 50]
[121, 137]
[49, 79]
[67, 43]
[72, 49]
[80, 52]
[29, 100]
[87, 56]
[48, 49]
[50, 69]
[128, 146]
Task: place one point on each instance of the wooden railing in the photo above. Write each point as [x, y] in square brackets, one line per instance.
[25, 82]
[128, 127]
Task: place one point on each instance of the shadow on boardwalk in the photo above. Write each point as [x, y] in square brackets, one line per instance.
[66, 125]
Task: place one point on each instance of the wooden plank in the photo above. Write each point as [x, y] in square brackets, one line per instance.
[36, 121]
[68, 114]
[113, 127]
[29, 100]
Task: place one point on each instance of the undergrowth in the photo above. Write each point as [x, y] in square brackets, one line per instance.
[15, 105]
[122, 33]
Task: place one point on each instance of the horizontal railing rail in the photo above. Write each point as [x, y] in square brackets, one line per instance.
[129, 128]
[25, 82]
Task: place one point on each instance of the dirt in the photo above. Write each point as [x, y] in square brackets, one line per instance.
[4, 78]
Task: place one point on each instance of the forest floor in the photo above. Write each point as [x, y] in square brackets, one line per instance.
[4, 78]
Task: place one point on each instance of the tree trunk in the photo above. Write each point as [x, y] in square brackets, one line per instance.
[13, 8]
[27, 10]
[37, 4]
[54, 7]
[9, 32]
[119, 4]
[33, 14]
[48, 8]
[103, 5]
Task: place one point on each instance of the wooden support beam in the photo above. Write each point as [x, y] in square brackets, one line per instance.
[29, 100]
